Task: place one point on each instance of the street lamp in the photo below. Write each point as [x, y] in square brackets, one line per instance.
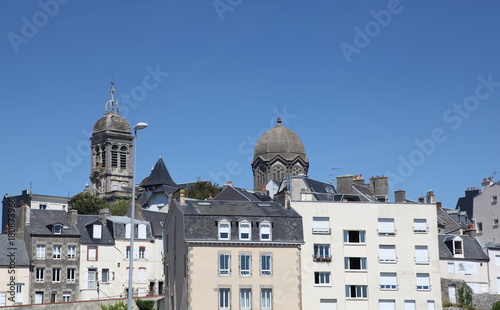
[139, 126]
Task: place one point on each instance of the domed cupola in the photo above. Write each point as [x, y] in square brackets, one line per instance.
[111, 145]
[278, 152]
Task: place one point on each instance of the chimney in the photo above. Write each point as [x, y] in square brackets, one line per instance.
[73, 216]
[421, 199]
[359, 180]
[380, 185]
[103, 214]
[344, 184]
[472, 233]
[288, 198]
[400, 196]
[430, 196]
[438, 205]
[182, 198]
[486, 182]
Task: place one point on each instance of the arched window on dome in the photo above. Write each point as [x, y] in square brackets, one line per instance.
[103, 156]
[123, 157]
[114, 156]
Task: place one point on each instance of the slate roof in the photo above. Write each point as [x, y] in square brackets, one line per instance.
[201, 218]
[450, 225]
[157, 219]
[41, 222]
[159, 176]
[471, 247]
[116, 225]
[466, 203]
[232, 193]
[20, 255]
[84, 225]
[322, 191]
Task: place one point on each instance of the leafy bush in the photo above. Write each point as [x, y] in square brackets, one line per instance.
[496, 306]
[145, 304]
[118, 306]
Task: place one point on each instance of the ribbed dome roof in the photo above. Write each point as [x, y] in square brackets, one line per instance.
[112, 121]
[279, 140]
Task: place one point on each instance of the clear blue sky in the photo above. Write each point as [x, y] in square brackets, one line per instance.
[362, 82]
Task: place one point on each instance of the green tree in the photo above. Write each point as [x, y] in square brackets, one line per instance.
[145, 304]
[496, 306]
[203, 190]
[118, 306]
[119, 207]
[85, 203]
[464, 293]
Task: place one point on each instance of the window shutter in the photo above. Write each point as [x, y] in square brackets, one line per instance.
[85, 279]
[146, 254]
[386, 226]
[421, 254]
[111, 275]
[99, 276]
[124, 253]
[136, 253]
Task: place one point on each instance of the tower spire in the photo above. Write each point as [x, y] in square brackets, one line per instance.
[112, 105]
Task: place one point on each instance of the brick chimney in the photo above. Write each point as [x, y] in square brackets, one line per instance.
[438, 205]
[421, 199]
[104, 214]
[73, 216]
[400, 196]
[380, 185]
[430, 196]
[344, 184]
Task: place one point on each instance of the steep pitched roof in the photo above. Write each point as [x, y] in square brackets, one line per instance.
[159, 176]
[232, 193]
[19, 249]
[85, 223]
[157, 220]
[322, 191]
[42, 220]
[472, 250]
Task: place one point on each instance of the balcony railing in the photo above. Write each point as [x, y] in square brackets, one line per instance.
[322, 258]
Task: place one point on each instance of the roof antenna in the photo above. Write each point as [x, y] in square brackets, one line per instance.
[332, 175]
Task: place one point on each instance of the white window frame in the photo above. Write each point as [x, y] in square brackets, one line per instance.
[245, 299]
[142, 275]
[410, 305]
[420, 226]
[322, 278]
[71, 252]
[96, 231]
[349, 236]
[266, 299]
[224, 227]
[387, 304]
[41, 251]
[71, 275]
[423, 282]
[348, 262]
[322, 253]
[224, 264]
[386, 227]
[141, 231]
[388, 281]
[245, 259]
[265, 231]
[57, 229]
[245, 230]
[321, 225]
[92, 281]
[224, 299]
[56, 274]
[266, 264]
[422, 255]
[360, 291]
[105, 274]
[40, 274]
[90, 250]
[387, 253]
[66, 297]
[57, 251]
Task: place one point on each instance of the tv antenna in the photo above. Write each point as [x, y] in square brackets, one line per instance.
[332, 175]
[493, 174]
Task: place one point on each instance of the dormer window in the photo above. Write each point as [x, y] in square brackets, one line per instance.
[265, 231]
[245, 230]
[97, 231]
[224, 230]
[57, 229]
[127, 230]
[141, 231]
[458, 247]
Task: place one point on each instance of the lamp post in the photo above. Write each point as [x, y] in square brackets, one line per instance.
[139, 126]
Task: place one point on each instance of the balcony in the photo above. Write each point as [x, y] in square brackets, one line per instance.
[322, 258]
[321, 231]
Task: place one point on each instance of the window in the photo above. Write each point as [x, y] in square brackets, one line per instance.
[56, 274]
[127, 253]
[494, 198]
[114, 156]
[322, 253]
[322, 278]
[224, 299]
[40, 251]
[421, 254]
[388, 281]
[355, 263]
[410, 305]
[91, 253]
[141, 231]
[266, 299]
[66, 296]
[387, 253]
[142, 274]
[40, 275]
[430, 305]
[328, 304]
[354, 236]
[92, 278]
[265, 231]
[386, 227]
[57, 229]
[245, 299]
[245, 262]
[224, 264]
[56, 253]
[19, 293]
[245, 230]
[97, 231]
[457, 247]
[105, 275]
[419, 225]
[123, 157]
[114, 186]
[423, 281]
[479, 227]
[451, 268]
[71, 251]
[265, 264]
[321, 225]
[142, 252]
[224, 230]
[386, 304]
[127, 230]
[70, 275]
[42, 206]
[356, 291]
[495, 222]
[497, 260]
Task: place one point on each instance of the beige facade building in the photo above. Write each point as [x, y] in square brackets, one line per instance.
[364, 255]
[233, 255]
[14, 272]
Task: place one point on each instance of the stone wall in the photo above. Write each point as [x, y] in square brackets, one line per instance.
[84, 305]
